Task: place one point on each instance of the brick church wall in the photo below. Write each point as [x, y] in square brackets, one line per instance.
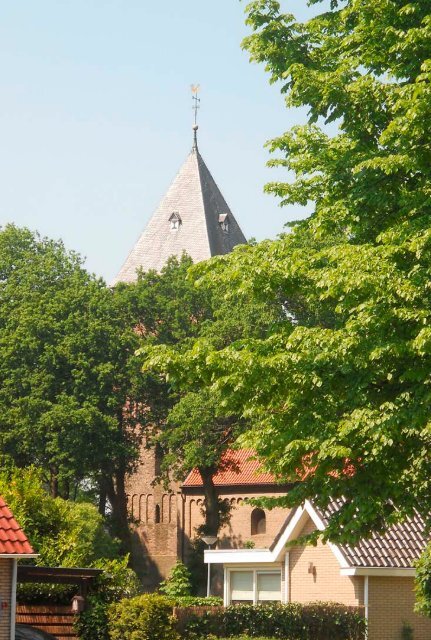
[165, 519]
[238, 530]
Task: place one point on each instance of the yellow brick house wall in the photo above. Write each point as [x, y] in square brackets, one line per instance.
[325, 582]
[390, 603]
[5, 596]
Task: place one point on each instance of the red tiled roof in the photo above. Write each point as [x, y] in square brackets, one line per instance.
[12, 538]
[237, 468]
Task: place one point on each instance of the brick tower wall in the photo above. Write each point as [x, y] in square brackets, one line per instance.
[156, 516]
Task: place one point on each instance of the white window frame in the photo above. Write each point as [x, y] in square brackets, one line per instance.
[255, 571]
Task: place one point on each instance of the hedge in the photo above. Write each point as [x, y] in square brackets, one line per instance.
[294, 621]
[145, 617]
[197, 601]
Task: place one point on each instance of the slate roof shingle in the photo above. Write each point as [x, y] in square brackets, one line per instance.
[198, 201]
[237, 468]
[12, 538]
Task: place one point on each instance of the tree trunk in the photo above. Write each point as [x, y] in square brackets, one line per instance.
[115, 490]
[212, 515]
[102, 497]
[53, 482]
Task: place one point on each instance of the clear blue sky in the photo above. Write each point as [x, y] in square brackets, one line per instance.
[95, 117]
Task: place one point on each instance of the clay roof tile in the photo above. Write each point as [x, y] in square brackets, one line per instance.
[12, 538]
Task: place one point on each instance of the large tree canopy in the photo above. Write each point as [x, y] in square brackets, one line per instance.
[196, 430]
[338, 394]
[67, 368]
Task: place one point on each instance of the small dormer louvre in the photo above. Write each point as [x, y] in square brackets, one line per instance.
[175, 221]
[223, 220]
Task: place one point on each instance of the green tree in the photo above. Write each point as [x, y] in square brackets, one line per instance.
[178, 583]
[67, 370]
[62, 532]
[197, 429]
[337, 394]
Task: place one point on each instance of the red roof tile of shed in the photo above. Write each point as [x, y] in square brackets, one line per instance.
[12, 538]
[238, 467]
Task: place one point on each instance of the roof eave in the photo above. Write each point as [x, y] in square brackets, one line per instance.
[19, 555]
[401, 572]
[239, 485]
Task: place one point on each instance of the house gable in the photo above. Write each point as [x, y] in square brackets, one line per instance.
[314, 573]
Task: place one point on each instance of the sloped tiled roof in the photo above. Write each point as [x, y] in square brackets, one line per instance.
[196, 199]
[399, 547]
[237, 468]
[12, 538]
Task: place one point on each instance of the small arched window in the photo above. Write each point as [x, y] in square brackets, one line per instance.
[157, 514]
[258, 522]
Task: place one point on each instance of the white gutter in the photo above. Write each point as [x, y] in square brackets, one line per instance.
[237, 556]
[13, 599]
[366, 603]
[378, 571]
[12, 556]
[294, 527]
[286, 577]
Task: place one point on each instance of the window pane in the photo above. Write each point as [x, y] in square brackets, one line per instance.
[241, 585]
[269, 586]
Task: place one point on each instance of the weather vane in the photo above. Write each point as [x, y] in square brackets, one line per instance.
[195, 90]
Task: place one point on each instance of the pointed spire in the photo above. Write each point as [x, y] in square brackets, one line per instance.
[193, 217]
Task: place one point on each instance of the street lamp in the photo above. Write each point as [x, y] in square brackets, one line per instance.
[209, 540]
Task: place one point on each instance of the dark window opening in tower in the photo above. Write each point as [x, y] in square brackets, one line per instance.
[158, 459]
[258, 522]
[157, 514]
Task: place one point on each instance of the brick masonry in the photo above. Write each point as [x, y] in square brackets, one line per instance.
[390, 603]
[166, 522]
[6, 566]
[166, 519]
[315, 575]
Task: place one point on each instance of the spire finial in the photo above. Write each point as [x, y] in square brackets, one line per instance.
[195, 90]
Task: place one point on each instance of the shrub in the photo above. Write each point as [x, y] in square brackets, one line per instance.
[198, 601]
[178, 583]
[423, 583]
[243, 638]
[117, 581]
[145, 617]
[62, 532]
[314, 621]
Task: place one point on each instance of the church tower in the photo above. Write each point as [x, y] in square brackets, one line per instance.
[193, 217]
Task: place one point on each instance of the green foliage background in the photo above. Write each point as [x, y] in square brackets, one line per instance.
[62, 532]
[337, 393]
